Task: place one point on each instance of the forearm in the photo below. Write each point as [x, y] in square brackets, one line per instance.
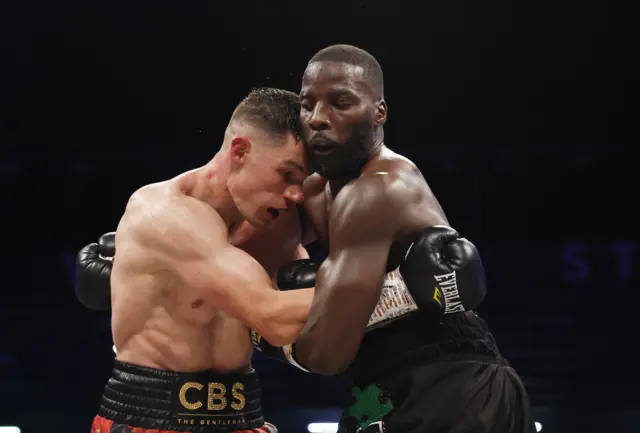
[316, 346]
[285, 316]
[347, 292]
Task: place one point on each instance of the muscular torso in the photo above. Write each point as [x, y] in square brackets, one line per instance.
[158, 322]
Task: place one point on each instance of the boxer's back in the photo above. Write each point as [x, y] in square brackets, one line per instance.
[157, 321]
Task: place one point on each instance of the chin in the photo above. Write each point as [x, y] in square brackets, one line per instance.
[339, 174]
[346, 170]
[256, 222]
[248, 212]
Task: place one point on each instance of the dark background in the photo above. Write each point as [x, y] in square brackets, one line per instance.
[522, 116]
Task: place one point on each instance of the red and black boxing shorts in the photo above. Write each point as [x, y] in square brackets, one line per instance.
[147, 400]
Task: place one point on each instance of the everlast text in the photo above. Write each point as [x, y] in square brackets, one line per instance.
[449, 288]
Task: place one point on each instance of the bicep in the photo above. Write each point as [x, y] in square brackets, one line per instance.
[350, 279]
[359, 266]
[233, 281]
[238, 285]
[361, 234]
[347, 289]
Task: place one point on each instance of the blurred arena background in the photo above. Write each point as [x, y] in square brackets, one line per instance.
[521, 116]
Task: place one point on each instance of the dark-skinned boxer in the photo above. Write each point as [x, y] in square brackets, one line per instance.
[394, 298]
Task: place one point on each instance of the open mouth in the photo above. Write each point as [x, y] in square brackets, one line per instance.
[273, 212]
[321, 145]
[323, 148]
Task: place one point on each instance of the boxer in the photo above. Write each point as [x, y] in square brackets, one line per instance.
[394, 299]
[183, 291]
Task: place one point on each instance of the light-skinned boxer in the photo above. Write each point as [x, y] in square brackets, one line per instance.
[395, 296]
[195, 267]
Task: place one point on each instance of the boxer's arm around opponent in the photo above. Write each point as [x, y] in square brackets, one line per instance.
[365, 218]
[192, 242]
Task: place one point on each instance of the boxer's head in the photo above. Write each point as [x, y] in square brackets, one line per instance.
[268, 164]
[342, 110]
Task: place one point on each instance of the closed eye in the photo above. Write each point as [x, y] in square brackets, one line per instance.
[290, 177]
[342, 105]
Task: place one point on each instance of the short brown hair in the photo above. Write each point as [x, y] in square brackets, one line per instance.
[273, 110]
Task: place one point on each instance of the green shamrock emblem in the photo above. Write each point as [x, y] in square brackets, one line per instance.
[370, 406]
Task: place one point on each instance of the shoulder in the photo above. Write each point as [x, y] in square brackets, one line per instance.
[162, 217]
[393, 193]
[144, 201]
[384, 185]
[371, 207]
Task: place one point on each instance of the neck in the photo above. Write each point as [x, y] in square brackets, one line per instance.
[378, 143]
[210, 187]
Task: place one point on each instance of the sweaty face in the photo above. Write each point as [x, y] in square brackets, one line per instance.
[338, 119]
[269, 179]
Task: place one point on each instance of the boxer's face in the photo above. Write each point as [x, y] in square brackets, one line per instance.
[267, 179]
[338, 116]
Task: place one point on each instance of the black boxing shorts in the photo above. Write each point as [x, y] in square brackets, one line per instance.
[146, 400]
[456, 393]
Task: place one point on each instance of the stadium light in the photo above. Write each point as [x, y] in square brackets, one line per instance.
[322, 427]
[332, 427]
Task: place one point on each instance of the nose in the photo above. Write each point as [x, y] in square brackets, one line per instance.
[294, 194]
[319, 120]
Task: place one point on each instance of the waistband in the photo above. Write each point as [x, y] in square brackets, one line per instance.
[195, 402]
[418, 340]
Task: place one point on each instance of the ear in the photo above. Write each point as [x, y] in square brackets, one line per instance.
[240, 148]
[381, 113]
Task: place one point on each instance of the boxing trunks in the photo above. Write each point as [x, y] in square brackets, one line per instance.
[414, 374]
[140, 400]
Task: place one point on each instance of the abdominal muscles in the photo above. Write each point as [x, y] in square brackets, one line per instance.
[160, 325]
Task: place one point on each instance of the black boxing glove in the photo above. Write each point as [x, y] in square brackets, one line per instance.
[299, 274]
[444, 273]
[93, 273]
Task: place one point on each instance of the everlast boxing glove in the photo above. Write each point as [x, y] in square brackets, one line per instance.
[443, 272]
[93, 273]
[299, 274]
